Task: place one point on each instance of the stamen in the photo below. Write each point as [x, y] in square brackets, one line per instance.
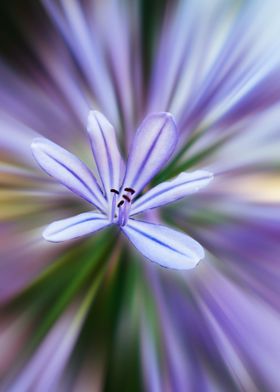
[120, 203]
[121, 217]
[126, 198]
[125, 213]
[113, 208]
[114, 191]
[130, 190]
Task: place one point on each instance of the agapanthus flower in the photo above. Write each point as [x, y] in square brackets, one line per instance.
[153, 144]
[89, 314]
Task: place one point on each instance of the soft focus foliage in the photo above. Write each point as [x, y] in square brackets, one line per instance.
[92, 315]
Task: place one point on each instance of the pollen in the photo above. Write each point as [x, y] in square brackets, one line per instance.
[120, 203]
[126, 198]
[130, 190]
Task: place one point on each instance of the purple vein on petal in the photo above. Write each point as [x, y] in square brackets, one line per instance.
[148, 155]
[74, 175]
[165, 245]
[172, 190]
[153, 144]
[108, 156]
[105, 151]
[75, 227]
[68, 170]
[74, 224]
[168, 189]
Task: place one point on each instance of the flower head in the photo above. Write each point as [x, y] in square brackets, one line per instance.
[87, 315]
[115, 197]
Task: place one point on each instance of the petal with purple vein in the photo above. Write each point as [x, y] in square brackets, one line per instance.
[105, 151]
[75, 227]
[173, 190]
[68, 170]
[164, 246]
[152, 146]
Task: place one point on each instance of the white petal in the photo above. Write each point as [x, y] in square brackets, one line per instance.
[170, 191]
[162, 245]
[68, 170]
[152, 146]
[105, 150]
[75, 227]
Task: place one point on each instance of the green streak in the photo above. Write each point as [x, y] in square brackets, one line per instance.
[47, 297]
[173, 168]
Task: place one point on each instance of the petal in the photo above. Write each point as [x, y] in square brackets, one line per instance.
[68, 170]
[105, 150]
[162, 245]
[170, 191]
[75, 227]
[152, 146]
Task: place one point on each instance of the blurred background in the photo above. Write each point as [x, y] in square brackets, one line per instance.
[92, 314]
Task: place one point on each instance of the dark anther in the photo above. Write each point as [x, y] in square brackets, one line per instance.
[120, 203]
[115, 191]
[130, 190]
[126, 198]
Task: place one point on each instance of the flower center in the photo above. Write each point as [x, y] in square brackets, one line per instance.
[123, 205]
